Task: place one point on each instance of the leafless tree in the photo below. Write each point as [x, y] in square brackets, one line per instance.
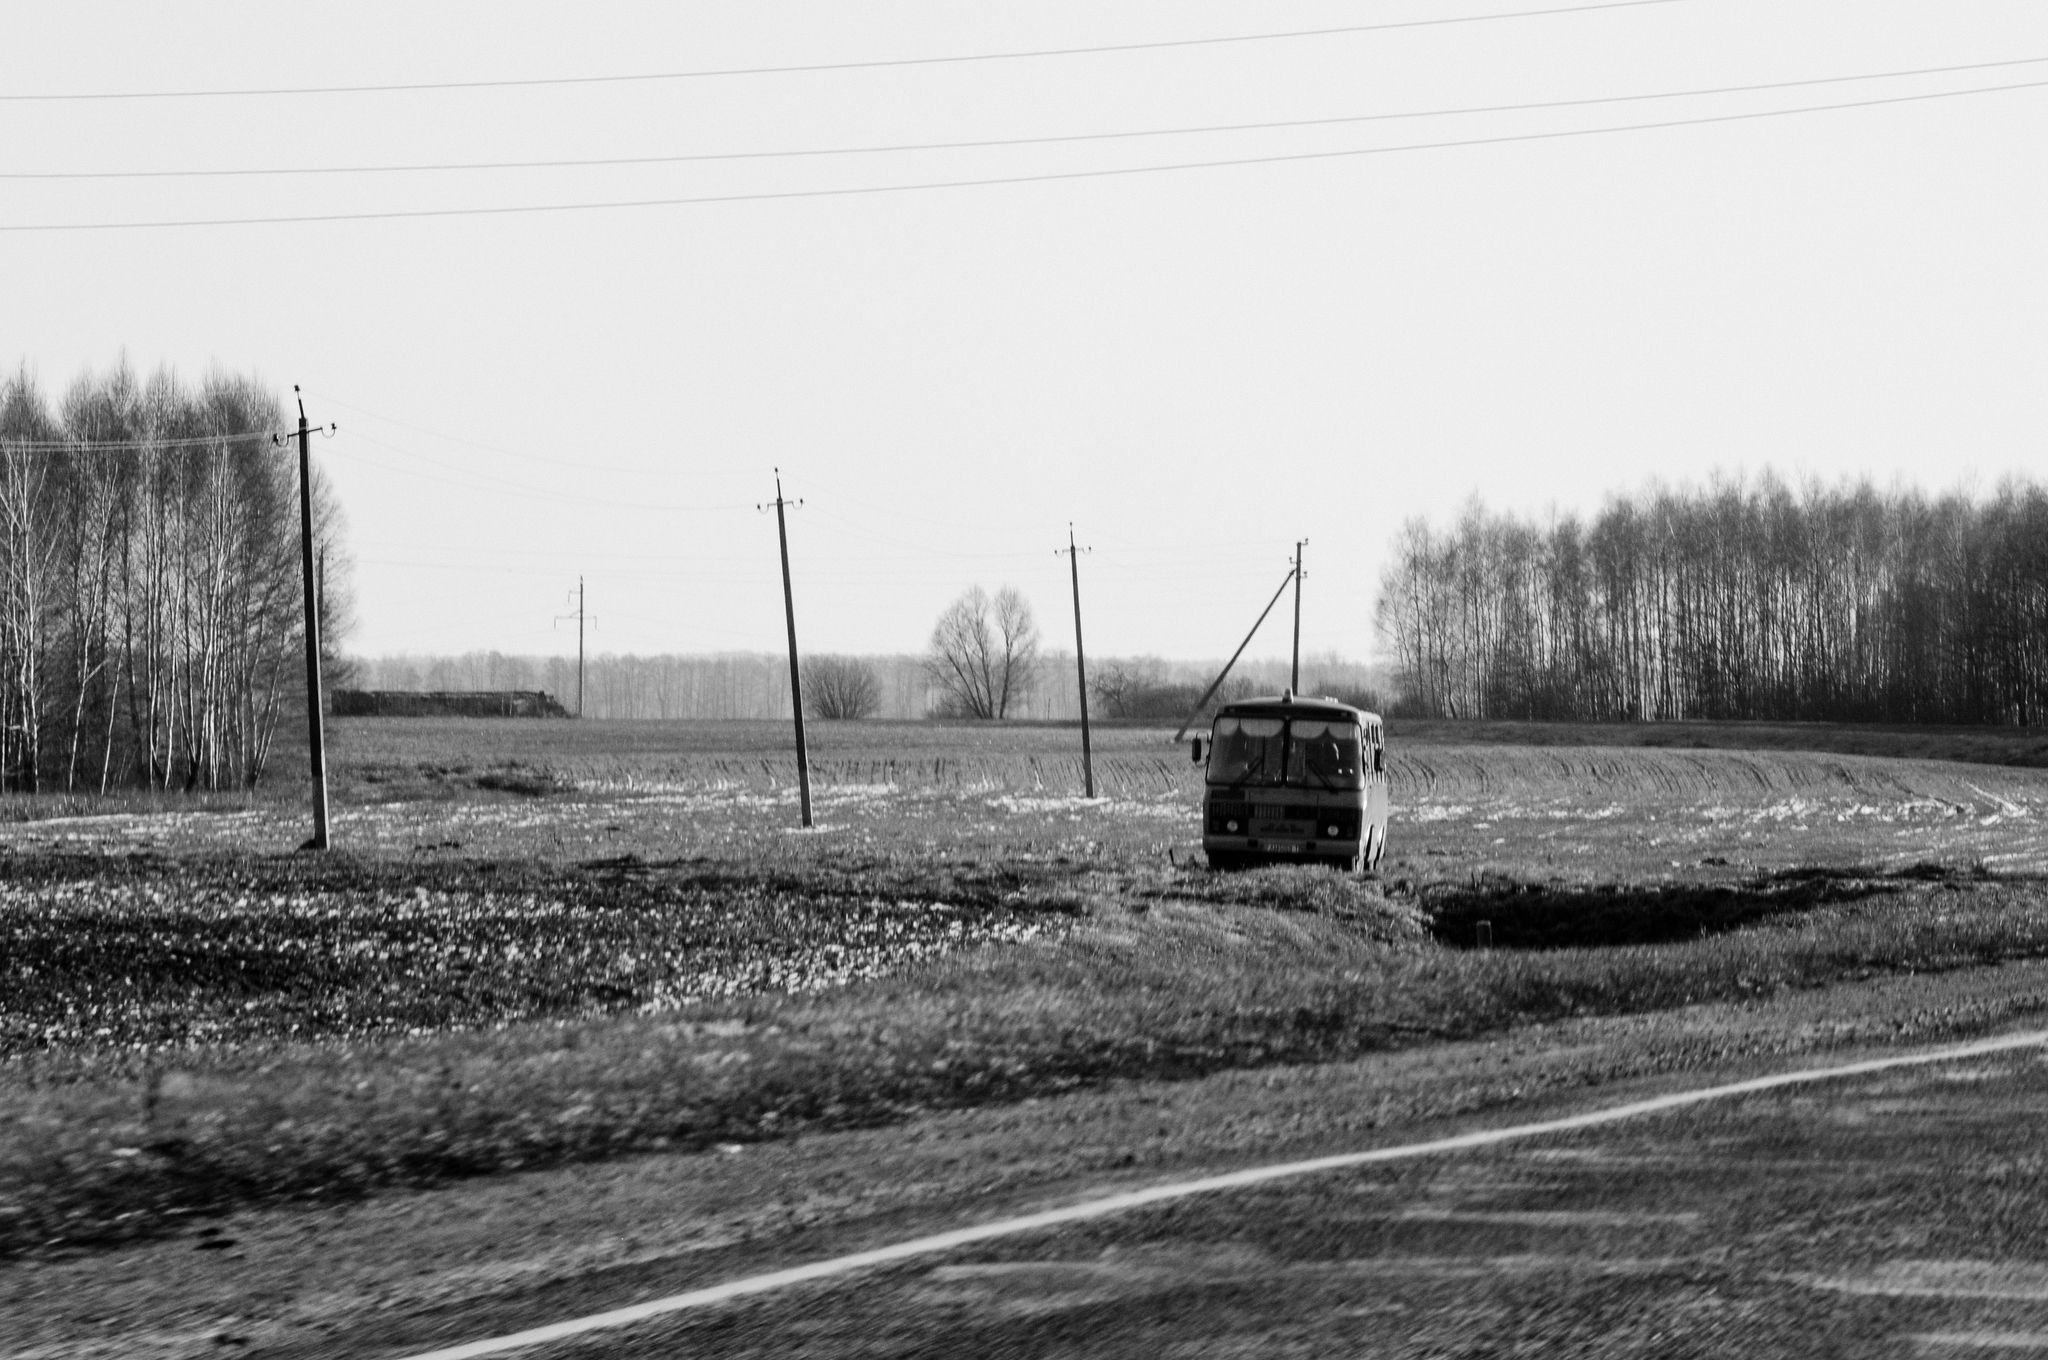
[1117, 685]
[1742, 599]
[984, 653]
[840, 688]
[149, 585]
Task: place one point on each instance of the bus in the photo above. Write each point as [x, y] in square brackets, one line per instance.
[1294, 780]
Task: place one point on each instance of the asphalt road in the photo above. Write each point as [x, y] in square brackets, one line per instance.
[1896, 1214]
[1892, 1215]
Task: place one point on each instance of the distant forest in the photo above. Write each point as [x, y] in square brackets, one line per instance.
[756, 684]
[151, 608]
[1744, 600]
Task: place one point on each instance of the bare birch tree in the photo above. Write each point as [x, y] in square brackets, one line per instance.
[149, 610]
[1740, 600]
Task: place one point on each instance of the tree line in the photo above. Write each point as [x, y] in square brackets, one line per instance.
[150, 594]
[755, 685]
[1742, 599]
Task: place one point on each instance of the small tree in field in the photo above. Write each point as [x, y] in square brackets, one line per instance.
[840, 688]
[984, 654]
[1119, 685]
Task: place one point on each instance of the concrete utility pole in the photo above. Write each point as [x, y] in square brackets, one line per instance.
[579, 644]
[1294, 672]
[796, 684]
[316, 737]
[1073, 556]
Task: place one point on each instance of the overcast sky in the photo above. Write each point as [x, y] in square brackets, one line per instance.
[1195, 366]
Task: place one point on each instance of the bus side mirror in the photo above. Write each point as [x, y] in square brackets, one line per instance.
[1198, 750]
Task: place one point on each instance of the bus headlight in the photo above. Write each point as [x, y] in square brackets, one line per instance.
[1334, 831]
[1230, 826]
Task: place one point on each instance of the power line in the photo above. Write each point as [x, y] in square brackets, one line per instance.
[993, 143]
[816, 67]
[915, 548]
[1042, 178]
[916, 553]
[128, 445]
[479, 444]
[479, 478]
[483, 481]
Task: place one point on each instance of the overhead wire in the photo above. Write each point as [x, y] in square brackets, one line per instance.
[1099, 49]
[849, 191]
[994, 143]
[526, 553]
[142, 444]
[483, 481]
[575, 463]
[913, 552]
[1206, 561]
[860, 528]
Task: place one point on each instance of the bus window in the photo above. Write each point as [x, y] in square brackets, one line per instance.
[1246, 751]
[1324, 755]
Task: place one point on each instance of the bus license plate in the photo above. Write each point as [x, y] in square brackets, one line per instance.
[1284, 847]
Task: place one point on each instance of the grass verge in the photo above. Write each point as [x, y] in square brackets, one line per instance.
[1152, 982]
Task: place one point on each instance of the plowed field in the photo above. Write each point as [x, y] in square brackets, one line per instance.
[556, 792]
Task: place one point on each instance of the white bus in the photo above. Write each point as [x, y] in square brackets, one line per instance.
[1294, 781]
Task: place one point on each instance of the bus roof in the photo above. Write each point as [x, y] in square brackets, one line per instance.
[1284, 706]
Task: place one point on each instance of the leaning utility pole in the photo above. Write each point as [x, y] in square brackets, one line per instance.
[796, 684]
[1073, 556]
[1294, 672]
[316, 742]
[1217, 683]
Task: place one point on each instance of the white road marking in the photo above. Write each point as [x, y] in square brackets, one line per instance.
[1160, 1194]
[1986, 1341]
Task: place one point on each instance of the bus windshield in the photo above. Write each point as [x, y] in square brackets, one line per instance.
[1323, 755]
[1248, 751]
[1303, 752]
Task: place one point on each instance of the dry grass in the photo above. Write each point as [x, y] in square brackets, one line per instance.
[107, 1145]
[1165, 972]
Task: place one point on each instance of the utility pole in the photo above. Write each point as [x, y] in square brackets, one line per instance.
[796, 684]
[316, 738]
[320, 597]
[1294, 672]
[1073, 556]
[579, 643]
